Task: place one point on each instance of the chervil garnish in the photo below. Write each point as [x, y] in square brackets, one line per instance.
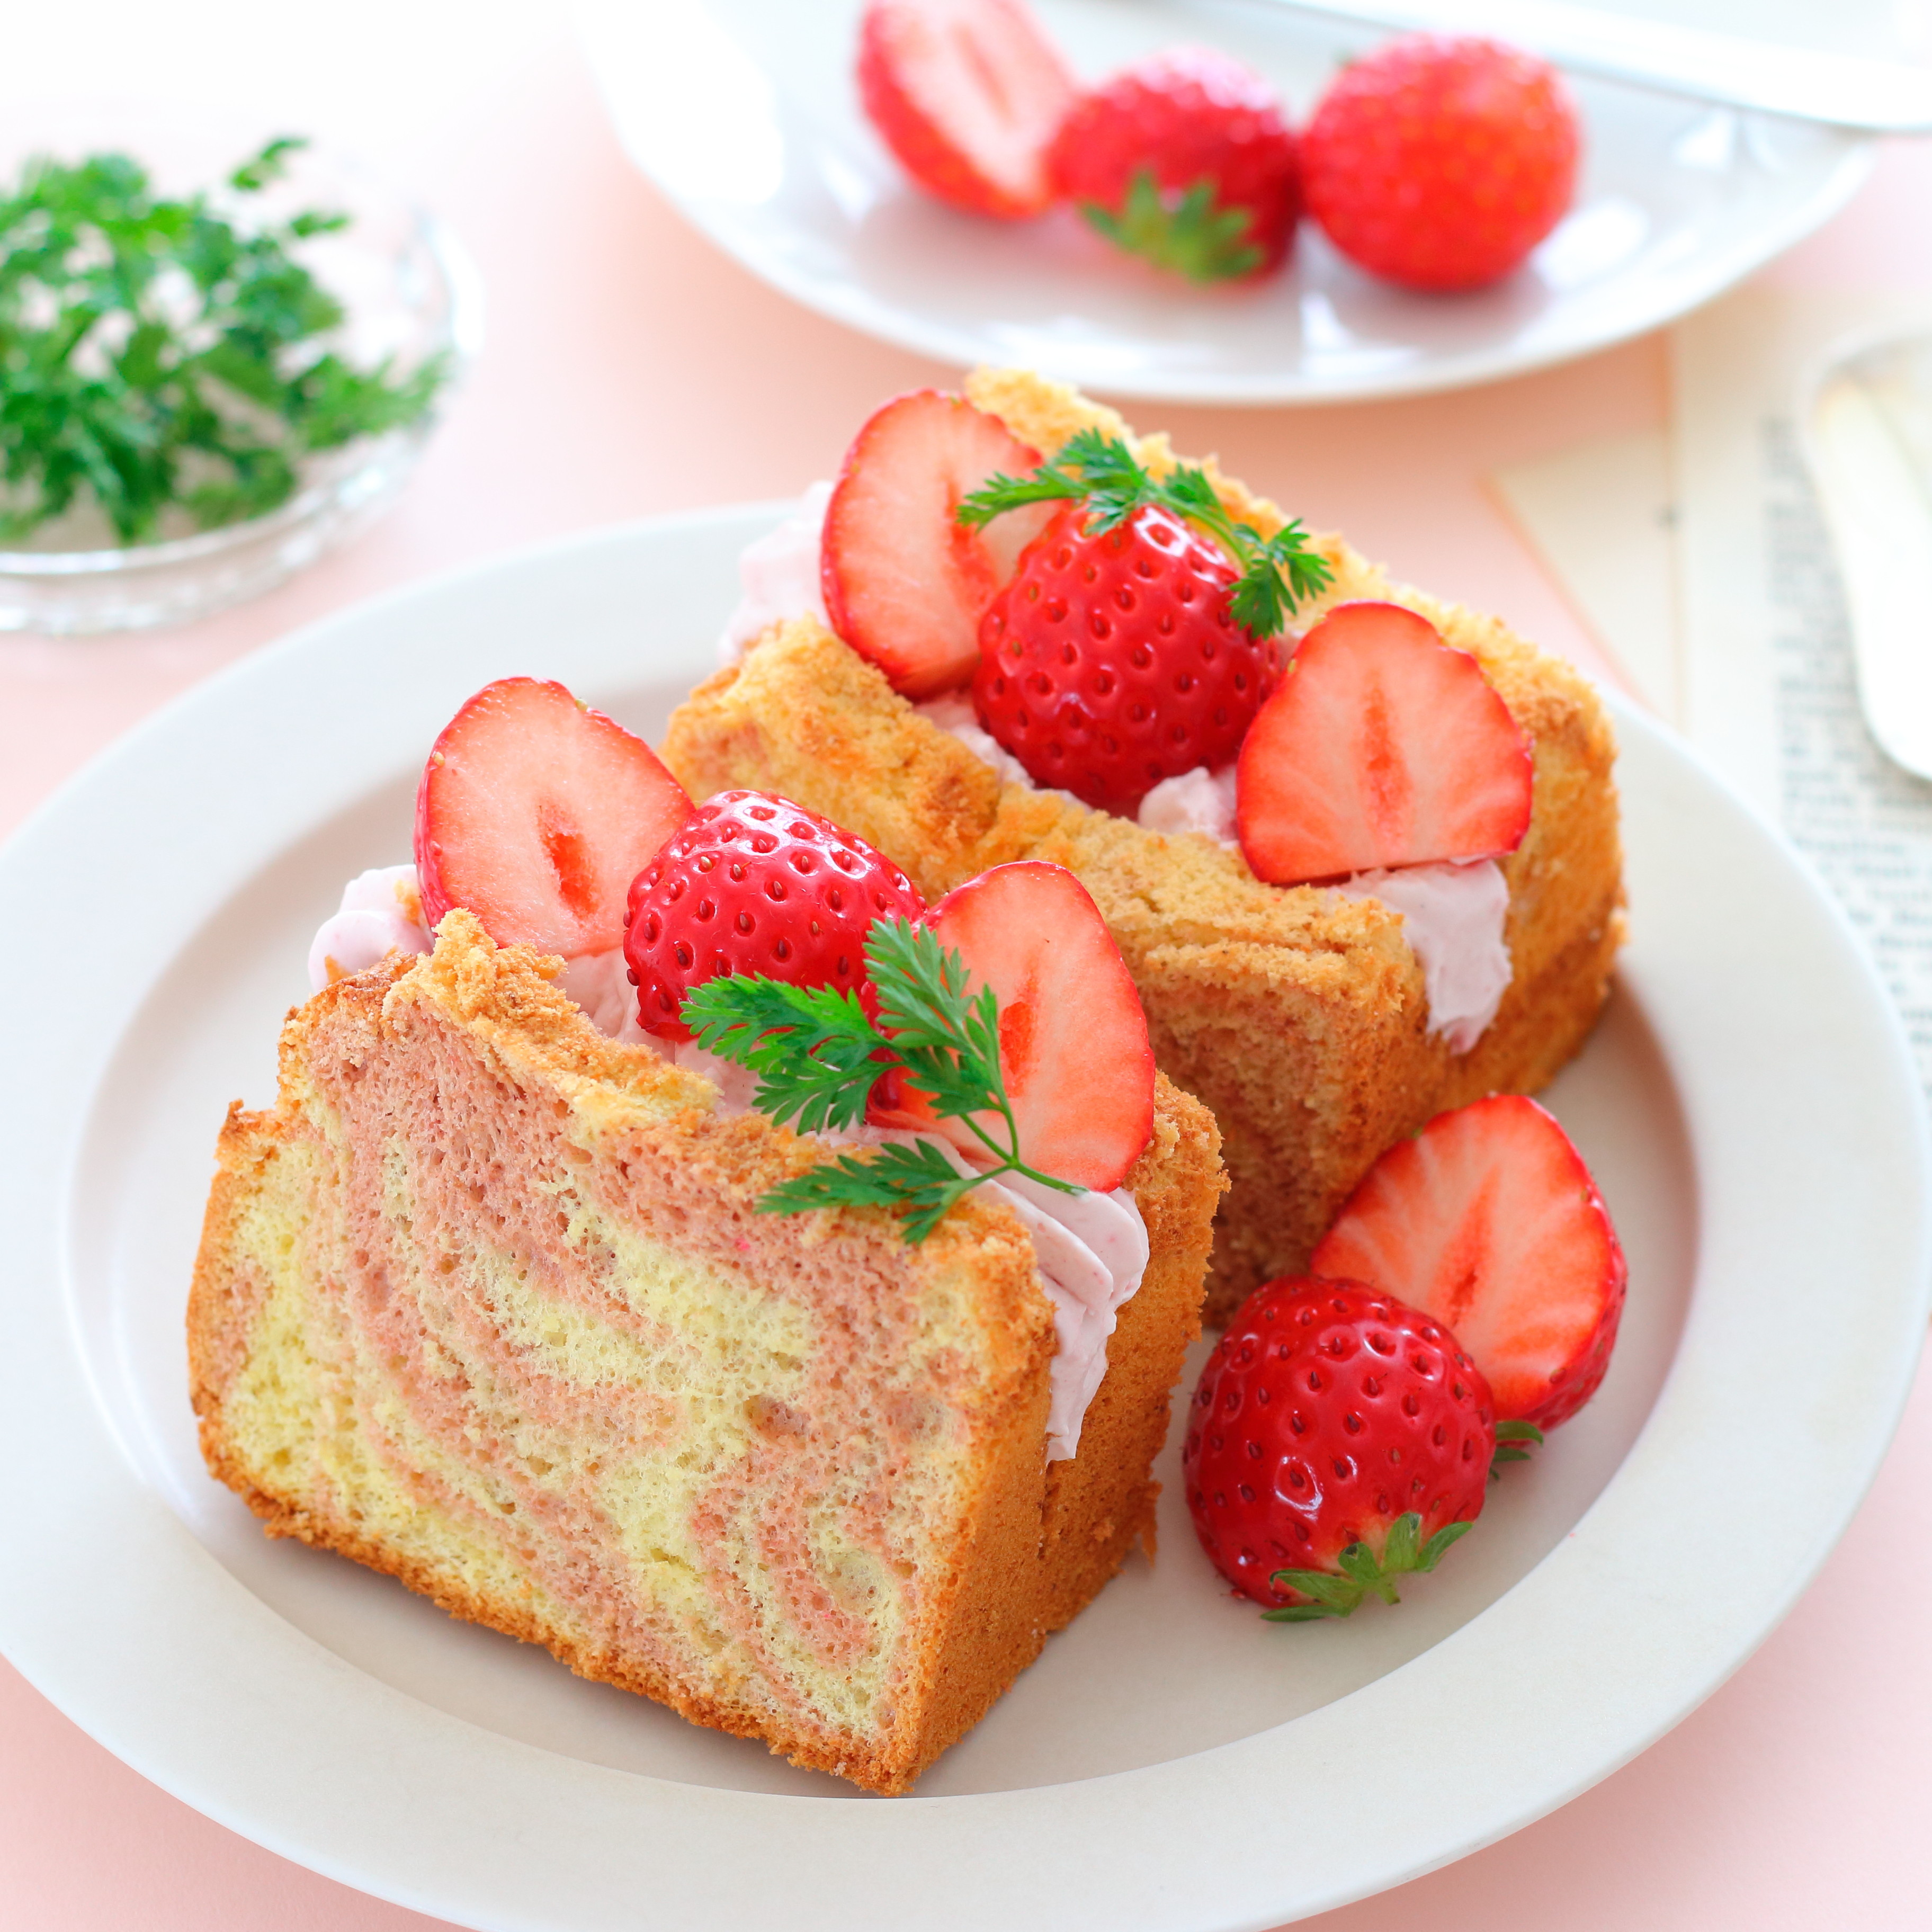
[1277, 573]
[818, 1056]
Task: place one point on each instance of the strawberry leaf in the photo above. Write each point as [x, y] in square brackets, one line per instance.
[1438, 1545]
[1362, 1573]
[1188, 234]
[1509, 1436]
[1277, 573]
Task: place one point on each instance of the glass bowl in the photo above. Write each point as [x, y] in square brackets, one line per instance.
[410, 293]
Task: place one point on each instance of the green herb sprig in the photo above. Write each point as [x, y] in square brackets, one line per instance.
[818, 1055]
[1277, 573]
[153, 354]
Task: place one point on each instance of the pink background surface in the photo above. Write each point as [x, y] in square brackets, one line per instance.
[628, 369]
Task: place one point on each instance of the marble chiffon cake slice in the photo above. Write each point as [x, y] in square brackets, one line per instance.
[1316, 1014]
[483, 1301]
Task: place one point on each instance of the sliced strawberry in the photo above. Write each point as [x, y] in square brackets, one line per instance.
[536, 813]
[1073, 1040]
[1382, 746]
[967, 93]
[906, 586]
[1489, 1221]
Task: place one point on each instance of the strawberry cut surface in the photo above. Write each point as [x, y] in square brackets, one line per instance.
[1382, 745]
[1328, 1411]
[905, 584]
[1489, 1221]
[1073, 1040]
[535, 813]
[1110, 662]
[967, 93]
[752, 883]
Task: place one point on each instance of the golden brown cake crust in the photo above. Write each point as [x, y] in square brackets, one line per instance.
[1035, 1540]
[1297, 1016]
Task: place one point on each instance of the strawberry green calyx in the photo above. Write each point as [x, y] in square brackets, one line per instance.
[1404, 1554]
[1189, 234]
[1278, 573]
[1510, 1437]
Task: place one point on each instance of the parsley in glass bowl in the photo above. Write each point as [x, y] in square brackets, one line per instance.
[219, 357]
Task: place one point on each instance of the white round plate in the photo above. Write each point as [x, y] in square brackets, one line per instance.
[745, 114]
[1171, 1764]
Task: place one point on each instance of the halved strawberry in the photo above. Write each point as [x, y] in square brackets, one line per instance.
[967, 93]
[1489, 1221]
[906, 586]
[1382, 746]
[1073, 1040]
[536, 813]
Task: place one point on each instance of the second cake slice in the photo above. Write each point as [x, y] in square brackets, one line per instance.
[1299, 1015]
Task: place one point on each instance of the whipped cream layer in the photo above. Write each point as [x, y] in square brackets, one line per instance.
[1091, 1248]
[1452, 916]
[381, 913]
[1452, 913]
[778, 576]
[1201, 801]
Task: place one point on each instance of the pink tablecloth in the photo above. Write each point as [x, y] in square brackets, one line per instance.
[630, 369]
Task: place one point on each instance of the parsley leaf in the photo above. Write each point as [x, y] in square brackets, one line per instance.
[1277, 573]
[156, 354]
[818, 1056]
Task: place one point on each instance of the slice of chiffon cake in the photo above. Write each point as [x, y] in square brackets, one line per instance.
[483, 1302]
[1298, 1015]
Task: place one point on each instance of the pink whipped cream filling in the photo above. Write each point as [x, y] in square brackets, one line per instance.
[381, 913]
[1092, 1249]
[778, 576]
[1453, 914]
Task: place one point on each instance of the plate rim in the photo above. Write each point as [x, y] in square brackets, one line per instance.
[1690, 286]
[440, 1775]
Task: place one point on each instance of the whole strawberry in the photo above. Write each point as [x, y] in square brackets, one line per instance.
[1137, 636]
[1440, 162]
[752, 883]
[1184, 159]
[1338, 1440]
[1110, 661]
